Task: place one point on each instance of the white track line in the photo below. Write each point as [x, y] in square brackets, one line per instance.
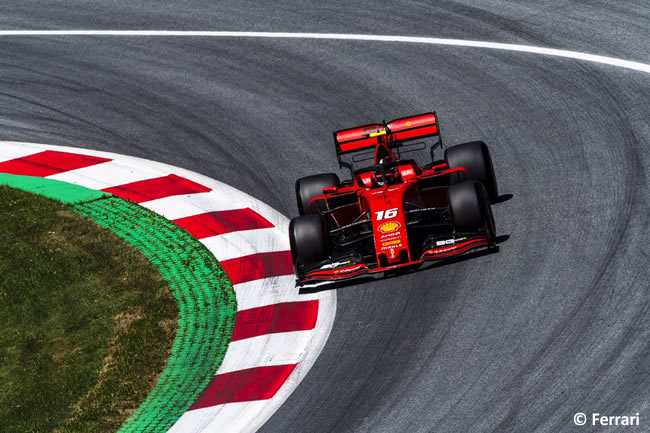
[243, 243]
[236, 416]
[180, 206]
[637, 66]
[9, 153]
[106, 175]
[266, 350]
[268, 291]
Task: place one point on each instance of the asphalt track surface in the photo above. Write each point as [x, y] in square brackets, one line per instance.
[555, 323]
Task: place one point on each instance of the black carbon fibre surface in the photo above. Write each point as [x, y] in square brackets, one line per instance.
[555, 323]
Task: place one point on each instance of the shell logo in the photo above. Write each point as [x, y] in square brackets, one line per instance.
[389, 227]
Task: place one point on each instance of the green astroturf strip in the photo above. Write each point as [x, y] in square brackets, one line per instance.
[207, 304]
[62, 191]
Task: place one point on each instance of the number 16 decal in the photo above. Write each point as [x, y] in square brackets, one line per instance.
[389, 213]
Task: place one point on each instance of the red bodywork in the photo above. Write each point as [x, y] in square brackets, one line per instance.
[379, 199]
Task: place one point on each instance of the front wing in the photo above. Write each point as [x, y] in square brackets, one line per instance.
[353, 266]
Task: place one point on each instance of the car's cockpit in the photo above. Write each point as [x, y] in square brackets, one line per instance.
[388, 170]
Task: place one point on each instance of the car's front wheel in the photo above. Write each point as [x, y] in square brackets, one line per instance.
[471, 210]
[308, 239]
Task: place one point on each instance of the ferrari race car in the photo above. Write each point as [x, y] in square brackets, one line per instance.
[400, 208]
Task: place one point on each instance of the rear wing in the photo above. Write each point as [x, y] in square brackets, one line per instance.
[367, 136]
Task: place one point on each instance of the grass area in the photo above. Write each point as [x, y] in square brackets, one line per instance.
[207, 307]
[87, 323]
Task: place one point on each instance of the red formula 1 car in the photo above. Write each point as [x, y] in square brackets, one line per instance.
[395, 211]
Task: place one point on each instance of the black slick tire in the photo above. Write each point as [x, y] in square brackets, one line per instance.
[475, 158]
[308, 240]
[312, 186]
[470, 209]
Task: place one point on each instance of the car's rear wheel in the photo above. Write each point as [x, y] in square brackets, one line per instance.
[475, 158]
[311, 186]
[308, 240]
[471, 210]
